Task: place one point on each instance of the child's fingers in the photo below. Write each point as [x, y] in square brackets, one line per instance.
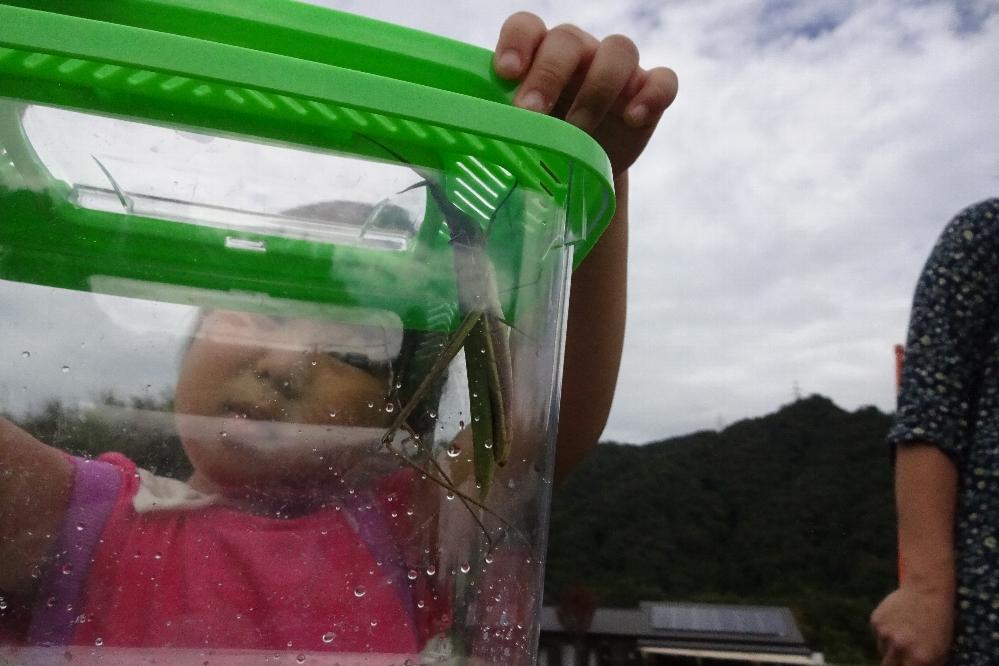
[518, 40]
[559, 55]
[613, 66]
[655, 95]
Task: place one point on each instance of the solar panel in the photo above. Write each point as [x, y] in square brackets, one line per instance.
[713, 620]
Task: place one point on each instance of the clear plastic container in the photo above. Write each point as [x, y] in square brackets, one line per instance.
[280, 363]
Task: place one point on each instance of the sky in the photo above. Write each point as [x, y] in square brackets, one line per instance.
[779, 217]
[782, 212]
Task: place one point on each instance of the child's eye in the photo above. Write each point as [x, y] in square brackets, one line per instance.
[359, 361]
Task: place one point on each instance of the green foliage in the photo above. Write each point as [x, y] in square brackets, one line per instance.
[791, 509]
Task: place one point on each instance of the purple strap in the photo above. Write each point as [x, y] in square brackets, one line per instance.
[95, 487]
[374, 531]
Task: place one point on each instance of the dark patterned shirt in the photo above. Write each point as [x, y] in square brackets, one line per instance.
[950, 397]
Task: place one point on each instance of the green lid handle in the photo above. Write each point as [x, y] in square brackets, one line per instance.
[310, 33]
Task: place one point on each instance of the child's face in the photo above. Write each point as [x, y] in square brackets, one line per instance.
[268, 392]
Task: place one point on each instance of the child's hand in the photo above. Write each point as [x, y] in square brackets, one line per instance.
[596, 85]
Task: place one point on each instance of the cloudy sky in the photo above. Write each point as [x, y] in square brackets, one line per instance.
[781, 215]
[779, 218]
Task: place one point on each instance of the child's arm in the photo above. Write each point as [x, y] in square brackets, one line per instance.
[599, 87]
[35, 484]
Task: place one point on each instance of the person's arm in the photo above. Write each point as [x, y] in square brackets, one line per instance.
[953, 318]
[35, 484]
[914, 625]
[594, 339]
[598, 86]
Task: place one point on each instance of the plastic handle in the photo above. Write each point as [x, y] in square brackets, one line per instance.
[308, 32]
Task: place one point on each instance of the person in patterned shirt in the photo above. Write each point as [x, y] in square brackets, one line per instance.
[946, 441]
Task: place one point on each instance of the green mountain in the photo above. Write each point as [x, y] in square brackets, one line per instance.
[793, 509]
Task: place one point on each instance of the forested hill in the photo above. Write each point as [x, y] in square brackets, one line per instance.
[794, 508]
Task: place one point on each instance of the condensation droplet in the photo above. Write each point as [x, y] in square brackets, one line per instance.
[453, 451]
[80, 527]
[489, 558]
[3, 604]
[359, 591]
[449, 496]
[374, 623]
[431, 570]
[332, 414]
[389, 408]
[412, 574]
[67, 569]
[371, 405]
[300, 658]
[65, 368]
[329, 637]
[420, 604]
[465, 567]
[25, 354]
[432, 414]
[98, 641]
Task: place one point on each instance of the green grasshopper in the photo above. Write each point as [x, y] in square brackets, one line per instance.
[482, 334]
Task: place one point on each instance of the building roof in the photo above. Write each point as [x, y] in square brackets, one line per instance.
[691, 626]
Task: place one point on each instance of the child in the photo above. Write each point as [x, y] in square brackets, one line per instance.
[236, 554]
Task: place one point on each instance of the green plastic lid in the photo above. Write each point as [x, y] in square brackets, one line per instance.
[283, 72]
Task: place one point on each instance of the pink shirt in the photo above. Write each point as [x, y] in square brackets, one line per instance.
[129, 574]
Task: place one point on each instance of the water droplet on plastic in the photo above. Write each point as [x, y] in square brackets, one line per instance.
[329, 637]
[80, 527]
[431, 570]
[389, 408]
[158, 556]
[65, 368]
[332, 414]
[67, 569]
[3, 604]
[412, 574]
[98, 641]
[432, 414]
[449, 496]
[488, 444]
[465, 567]
[453, 451]
[374, 623]
[223, 434]
[25, 354]
[489, 559]
[371, 405]
[359, 591]
[300, 658]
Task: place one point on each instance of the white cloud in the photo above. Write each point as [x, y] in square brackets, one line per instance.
[782, 212]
